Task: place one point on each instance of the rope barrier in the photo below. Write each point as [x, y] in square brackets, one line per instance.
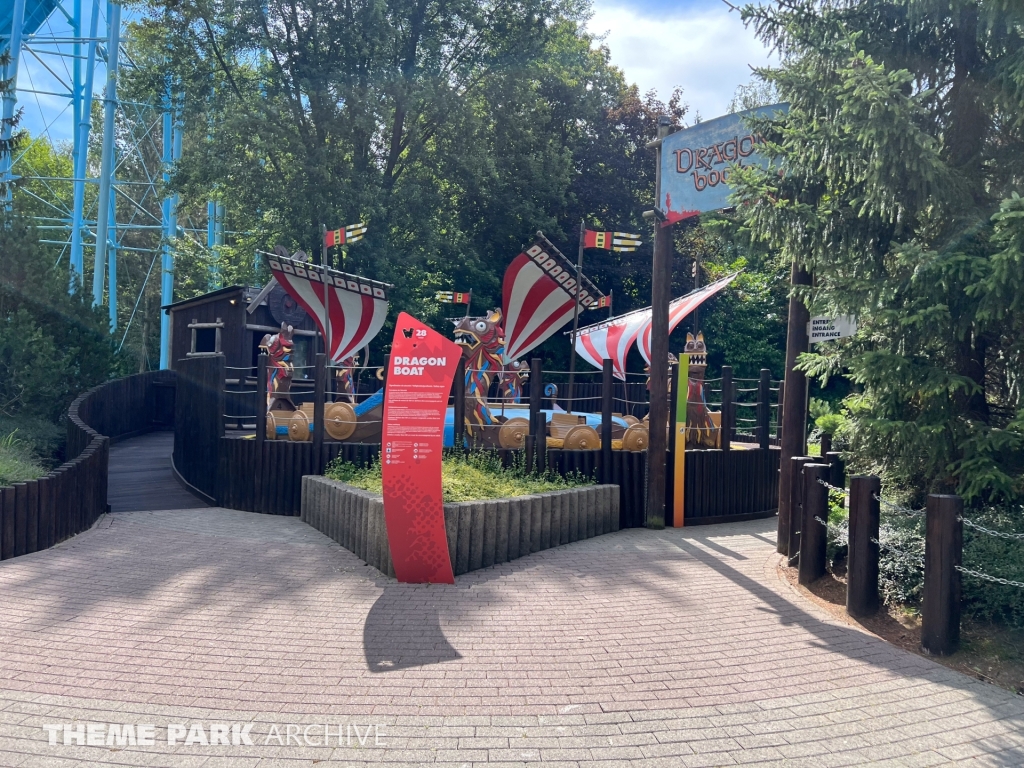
[843, 491]
[986, 577]
[992, 532]
[902, 551]
[903, 510]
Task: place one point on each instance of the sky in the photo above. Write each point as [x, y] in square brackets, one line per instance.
[699, 45]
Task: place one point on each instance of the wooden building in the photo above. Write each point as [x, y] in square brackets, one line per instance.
[221, 322]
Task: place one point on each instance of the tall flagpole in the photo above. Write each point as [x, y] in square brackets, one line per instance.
[576, 314]
[327, 312]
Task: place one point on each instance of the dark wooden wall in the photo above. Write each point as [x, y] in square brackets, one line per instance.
[37, 514]
[728, 486]
[199, 422]
[273, 485]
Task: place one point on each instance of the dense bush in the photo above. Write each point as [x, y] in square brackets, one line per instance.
[901, 561]
[471, 477]
[17, 463]
[53, 344]
[997, 557]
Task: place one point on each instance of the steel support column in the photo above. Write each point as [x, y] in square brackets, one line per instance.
[107, 163]
[82, 129]
[171, 152]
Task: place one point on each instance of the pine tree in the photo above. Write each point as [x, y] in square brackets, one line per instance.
[895, 181]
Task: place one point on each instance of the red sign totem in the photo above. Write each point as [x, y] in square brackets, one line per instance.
[420, 374]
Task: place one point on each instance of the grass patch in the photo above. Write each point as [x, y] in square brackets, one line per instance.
[466, 478]
[17, 463]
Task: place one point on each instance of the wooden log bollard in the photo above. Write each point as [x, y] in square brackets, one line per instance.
[796, 500]
[836, 468]
[814, 531]
[943, 553]
[862, 558]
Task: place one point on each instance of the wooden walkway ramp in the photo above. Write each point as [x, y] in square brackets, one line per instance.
[140, 476]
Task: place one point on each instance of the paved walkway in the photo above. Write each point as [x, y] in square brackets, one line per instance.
[140, 476]
[673, 648]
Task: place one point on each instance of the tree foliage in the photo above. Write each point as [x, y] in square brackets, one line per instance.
[52, 345]
[902, 156]
[456, 130]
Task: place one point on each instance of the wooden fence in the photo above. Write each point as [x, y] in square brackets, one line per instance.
[37, 514]
[256, 475]
[199, 423]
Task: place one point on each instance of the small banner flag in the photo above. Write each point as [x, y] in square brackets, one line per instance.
[351, 234]
[454, 297]
[605, 301]
[611, 241]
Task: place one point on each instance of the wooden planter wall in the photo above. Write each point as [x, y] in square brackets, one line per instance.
[37, 514]
[480, 533]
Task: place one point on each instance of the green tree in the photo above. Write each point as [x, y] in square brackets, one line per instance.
[53, 345]
[902, 155]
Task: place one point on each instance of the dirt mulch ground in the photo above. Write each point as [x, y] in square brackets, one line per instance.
[991, 653]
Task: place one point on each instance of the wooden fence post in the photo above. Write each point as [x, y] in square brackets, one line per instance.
[814, 531]
[538, 425]
[20, 518]
[607, 390]
[459, 406]
[825, 446]
[862, 560]
[764, 408]
[261, 431]
[728, 409]
[943, 552]
[319, 399]
[837, 468]
[780, 407]
[791, 545]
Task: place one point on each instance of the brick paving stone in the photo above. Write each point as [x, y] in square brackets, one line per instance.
[639, 648]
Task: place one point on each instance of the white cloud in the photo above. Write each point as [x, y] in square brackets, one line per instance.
[708, 52]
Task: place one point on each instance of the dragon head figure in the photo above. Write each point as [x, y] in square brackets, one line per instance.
[481, 335]
[697, 351]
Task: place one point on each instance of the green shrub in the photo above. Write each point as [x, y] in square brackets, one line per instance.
[17, 464]
[838, 540]
[1002, 558]
[471, 477]
[42, 437]
[901, 561]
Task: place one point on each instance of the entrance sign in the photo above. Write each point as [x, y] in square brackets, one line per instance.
[420, 373]
[828, 328]
[695, 162]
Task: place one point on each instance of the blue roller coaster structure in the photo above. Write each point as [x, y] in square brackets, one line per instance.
[69, 43]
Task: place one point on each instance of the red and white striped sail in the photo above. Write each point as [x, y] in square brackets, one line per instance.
[679, 309]
[611, 340]
[539, 294]
[357, 307]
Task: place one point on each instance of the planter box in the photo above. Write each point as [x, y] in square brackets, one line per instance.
[480, 533]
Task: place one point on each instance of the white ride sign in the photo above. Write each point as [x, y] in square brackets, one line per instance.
[828, 328]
